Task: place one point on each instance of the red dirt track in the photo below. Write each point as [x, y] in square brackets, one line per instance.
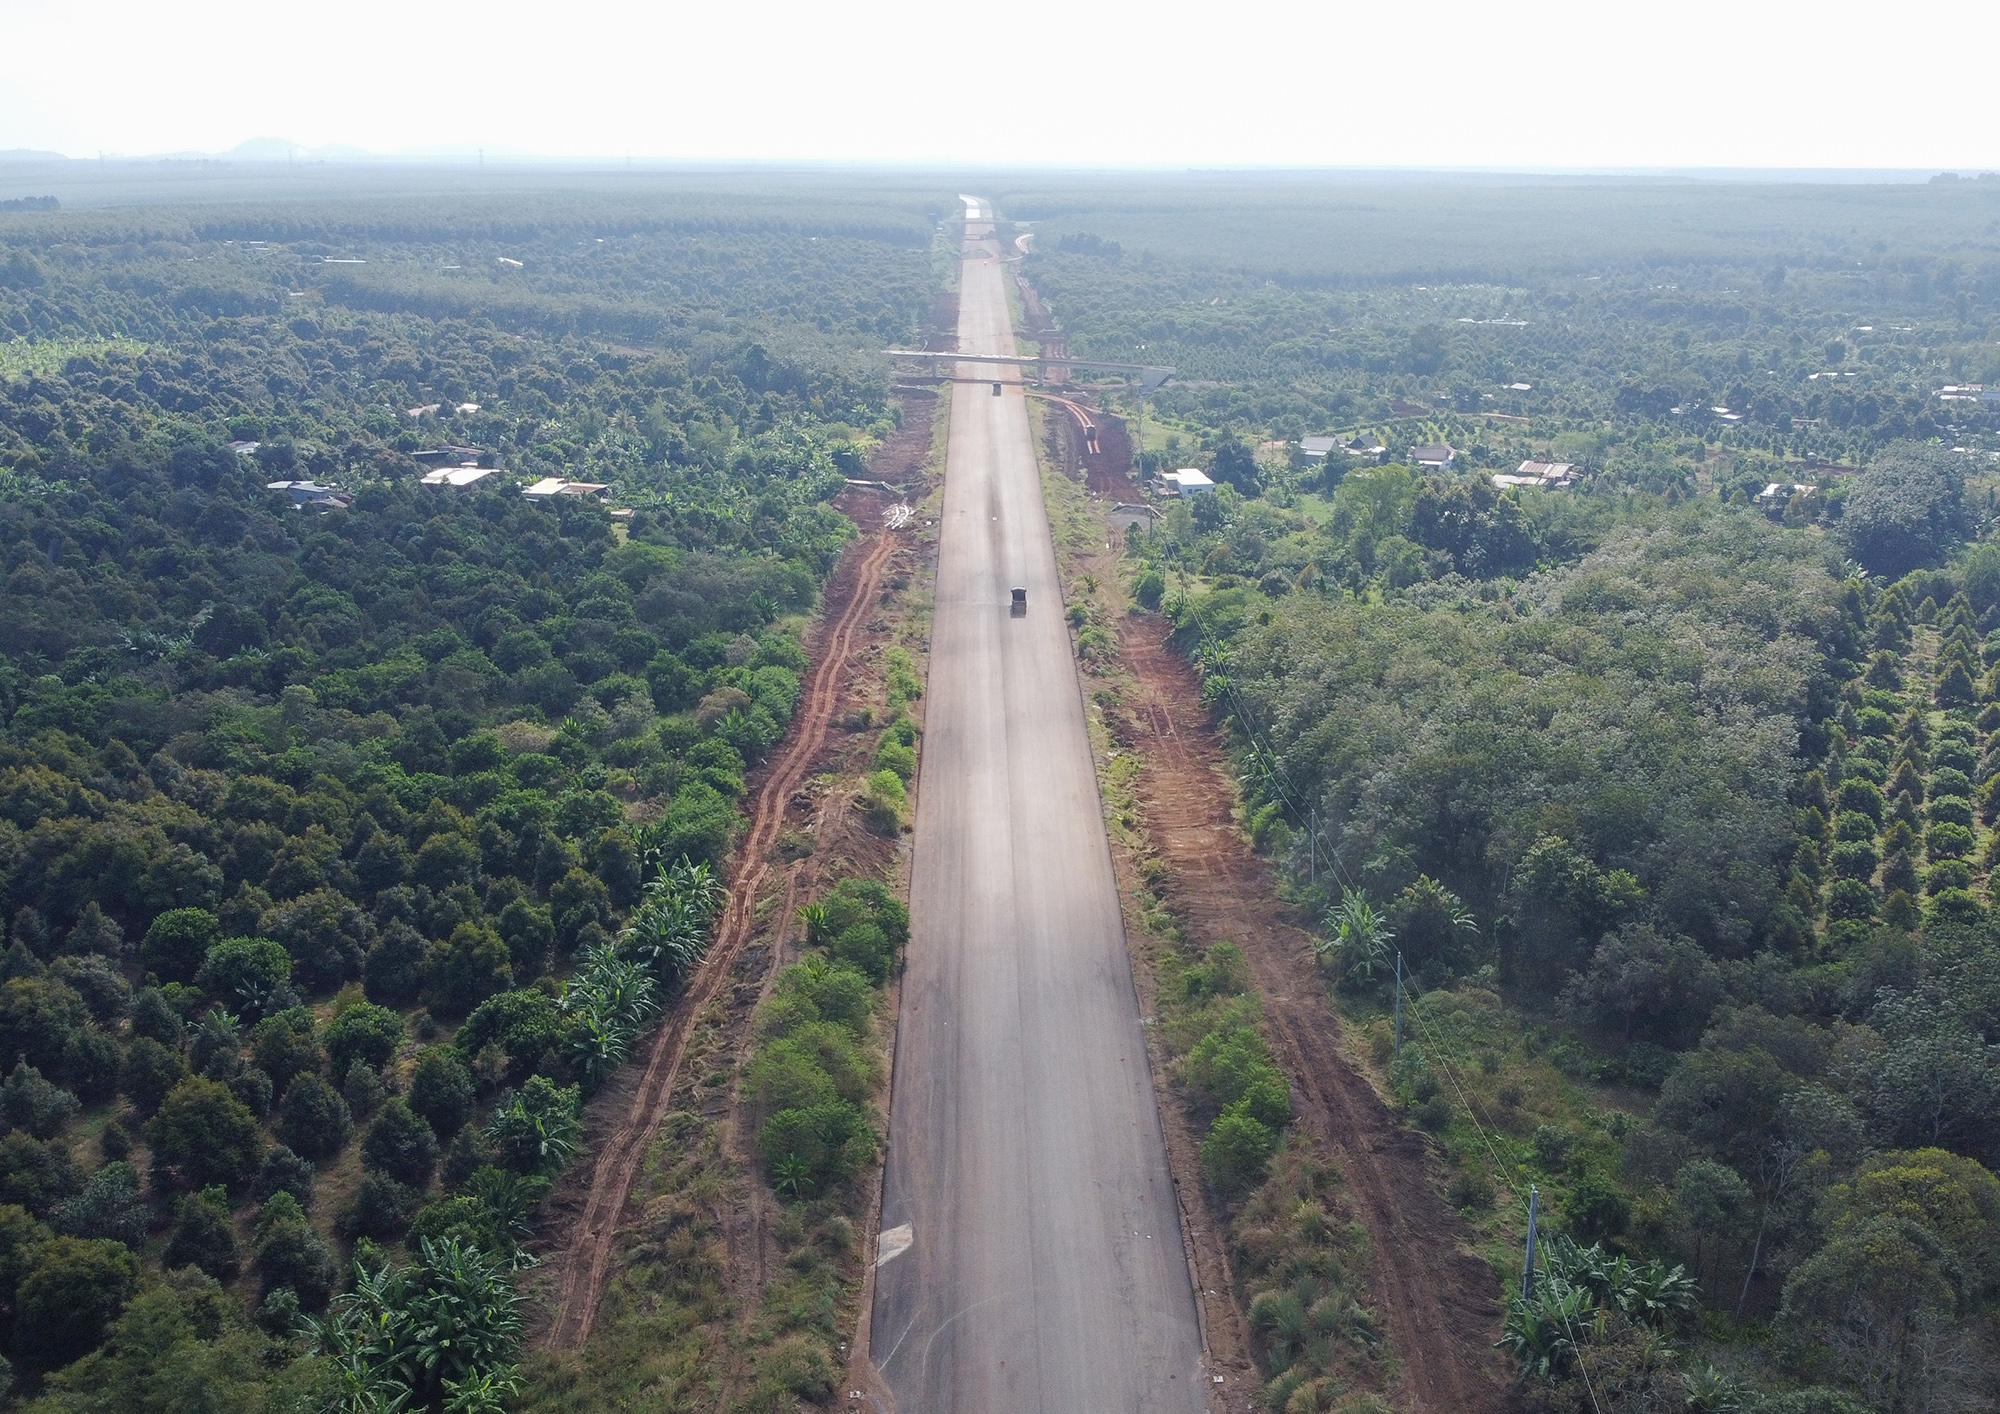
[580, 1269]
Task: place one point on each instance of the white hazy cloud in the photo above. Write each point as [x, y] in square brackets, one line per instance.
[1552, 83]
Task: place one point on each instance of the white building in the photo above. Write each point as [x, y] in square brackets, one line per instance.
[459, 475]
[1185, 482]
[556, 486]
[1533, 473]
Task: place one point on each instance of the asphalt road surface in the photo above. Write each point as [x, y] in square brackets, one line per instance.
[1044, 1271]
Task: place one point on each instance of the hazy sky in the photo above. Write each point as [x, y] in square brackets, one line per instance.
[1087, 82]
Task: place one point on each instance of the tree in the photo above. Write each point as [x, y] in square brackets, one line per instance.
[109, 1206]
[441, 1091]
[363, 1032]
[398, 966]
[286, 1047]
[473, 966]
[247, 974]
[177, 943]
[202, 1236]
[37, 1017]
[32, 1103]
[1234, 465]
[149, 1072]
[325, 935]
[203, 1135]
[1873, 1309]
[313, 1120]
[1953, 1198]
[1905, 509]
[72, 1292]
[1433, 928]
[290, 1254]
[284, 1172]
[1645, 985]
[400, 1144]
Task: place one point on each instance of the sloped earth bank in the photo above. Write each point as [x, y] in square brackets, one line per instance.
[1435, 1299]
[584, 1218]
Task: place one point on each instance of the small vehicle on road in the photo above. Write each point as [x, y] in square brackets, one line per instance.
[996, 390]
[1020, 604]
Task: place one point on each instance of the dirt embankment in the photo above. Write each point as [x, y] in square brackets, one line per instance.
[588, 1209]
[1435, 1298]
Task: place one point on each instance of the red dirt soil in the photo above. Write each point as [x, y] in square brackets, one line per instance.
[579, 1268]
[1435, 1298]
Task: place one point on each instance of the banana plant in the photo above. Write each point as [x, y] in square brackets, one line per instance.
[1356, 947]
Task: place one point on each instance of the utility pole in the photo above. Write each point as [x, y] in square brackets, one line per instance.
[1399, 1004]
[1312, 847]
[1528, 1275]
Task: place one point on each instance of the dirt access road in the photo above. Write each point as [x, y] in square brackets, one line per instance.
[1044, 1271]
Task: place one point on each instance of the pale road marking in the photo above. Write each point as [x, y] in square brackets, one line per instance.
[893, 1244]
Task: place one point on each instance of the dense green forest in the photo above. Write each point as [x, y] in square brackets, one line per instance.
[347, 848]
[1680, 816]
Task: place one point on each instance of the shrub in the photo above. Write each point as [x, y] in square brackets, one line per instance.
[883, 801]
[1594, 1210]
[313, 1119]
[71, 1294]
[441, 1091]
[203, 1134]
[807, 1151]
[401, 1145]
[1149, 589]
[1236, 1151]
[815, 990]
